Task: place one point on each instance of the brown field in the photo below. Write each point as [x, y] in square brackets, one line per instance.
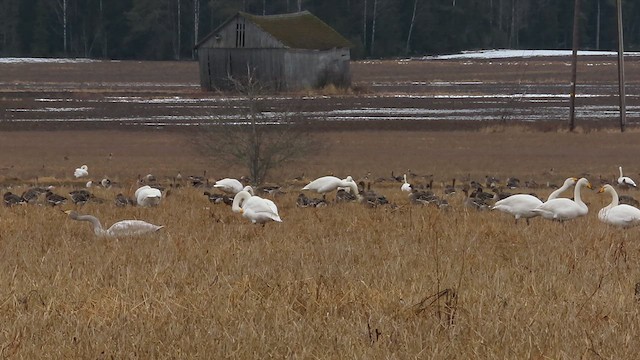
[345, 281]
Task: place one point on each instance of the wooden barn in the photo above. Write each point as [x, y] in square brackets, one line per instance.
[283, 52]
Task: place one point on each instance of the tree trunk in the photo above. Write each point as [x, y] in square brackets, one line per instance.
[373, 25]
[64, 25]
[178, 44]
[364, 27]
[196, 22]
[413, 20]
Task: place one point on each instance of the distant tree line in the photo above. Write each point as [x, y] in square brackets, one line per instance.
[168, 29]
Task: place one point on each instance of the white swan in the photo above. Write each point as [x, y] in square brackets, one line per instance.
[562, 209]
[326, 184]
[255, 208]
[230, 186]
[121, 228]
[569, 182]
[148, 196]
[405, 186]
[622, 215]
[82, 171]
[625, 180]
[519, 205]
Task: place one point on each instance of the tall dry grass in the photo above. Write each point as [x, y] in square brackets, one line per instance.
[345, 281]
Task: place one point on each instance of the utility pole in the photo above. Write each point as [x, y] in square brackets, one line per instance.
[623, 116]
[574, 66]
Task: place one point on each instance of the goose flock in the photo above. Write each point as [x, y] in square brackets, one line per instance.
[622, 211]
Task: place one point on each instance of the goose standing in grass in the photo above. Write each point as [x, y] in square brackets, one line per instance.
[11, 199]
[625, 180]
[121, 228]
[326, 184]
[405, 186]
[230, 186]
[621, 215]
[82, 171]
[255, 208]
[562, 209]
[148, 196]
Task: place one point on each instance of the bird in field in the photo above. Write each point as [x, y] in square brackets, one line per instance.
[326, 184]
[121, 228]
[255, 208]
[621, 215]
[625, 180]
[82, 171]
[562, 209]
[405, 185]
[148, 196]
[11, 199]
[230, 186]
[523, 205]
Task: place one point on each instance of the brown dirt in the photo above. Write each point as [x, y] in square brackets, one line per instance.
[523, 149]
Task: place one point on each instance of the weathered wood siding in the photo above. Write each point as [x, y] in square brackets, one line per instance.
[315, 68]
[279, 69]
[254, 37]
[217, 65]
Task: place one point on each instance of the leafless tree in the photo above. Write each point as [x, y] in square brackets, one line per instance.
[259, 142]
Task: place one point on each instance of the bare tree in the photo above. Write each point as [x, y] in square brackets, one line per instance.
[260, 143]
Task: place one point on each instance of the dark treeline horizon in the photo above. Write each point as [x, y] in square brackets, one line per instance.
[168, 29]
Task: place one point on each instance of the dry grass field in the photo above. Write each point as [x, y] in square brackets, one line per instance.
[343, 281]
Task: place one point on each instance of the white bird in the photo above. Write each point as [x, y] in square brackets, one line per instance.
[519, 205]
[405, 186]
[523, 205]
[326, 184]
[82, 171]
[621, 215]
[569, 182]
[148, 196]
[230, 186]
[121, 228]
[255, 208]
[562, 209]
[625, 180]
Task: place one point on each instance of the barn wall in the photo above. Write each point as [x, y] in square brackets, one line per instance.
[278, 69]
[254, 37]
[315, 68]
[216, 65]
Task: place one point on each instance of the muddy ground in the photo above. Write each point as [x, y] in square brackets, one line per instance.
[500, 117]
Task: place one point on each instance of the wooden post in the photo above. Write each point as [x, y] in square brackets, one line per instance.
[574, 66]
[623, 116]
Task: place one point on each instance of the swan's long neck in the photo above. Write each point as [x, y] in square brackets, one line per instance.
[614, 197]
[353, 187]
[620, 171]
[239, 199]
[576, 194]
[405, 178]
[97, 226]
[567, 184]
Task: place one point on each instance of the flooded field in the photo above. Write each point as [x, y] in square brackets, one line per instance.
[396, 94]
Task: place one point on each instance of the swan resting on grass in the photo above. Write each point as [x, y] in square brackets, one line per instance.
[121, 228]
[255, 208]
[148, 196]
[621, 215]
[82, 171]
